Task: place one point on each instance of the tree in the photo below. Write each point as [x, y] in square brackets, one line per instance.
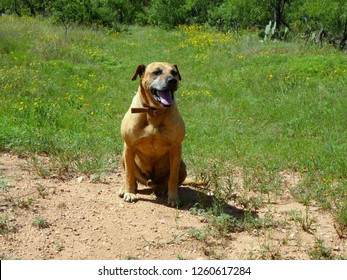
[25, 7]
[327, 17]
[279, 14]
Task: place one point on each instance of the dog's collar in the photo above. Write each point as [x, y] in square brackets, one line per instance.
[147, 109]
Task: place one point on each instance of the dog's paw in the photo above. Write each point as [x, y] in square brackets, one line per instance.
[160, 192]
[129, 197]
[174, 201]
[121, 192]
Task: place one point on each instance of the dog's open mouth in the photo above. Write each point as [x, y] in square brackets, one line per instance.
[165, 97]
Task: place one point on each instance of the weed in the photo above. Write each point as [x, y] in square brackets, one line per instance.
[305, 221]
[209, 251]
[3, 186]
[225, 224]
[302, 194]
[320, 252]
[308, 223]
[212, 177]
[341, 220]
[40, 167]
[41, 190]
[24, 202]
[59, 246]
[130, 257]
[177, 216]
[221, 227]
[250, 222]
[98, 177]
[263, 181]
[62, 205]
[40, 223]
[198, 234]
[6, 226]
[270, 251]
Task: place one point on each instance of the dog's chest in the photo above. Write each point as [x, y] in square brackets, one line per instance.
[157, 138]
[156, 134]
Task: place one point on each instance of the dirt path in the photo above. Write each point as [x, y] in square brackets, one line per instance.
[87, 220]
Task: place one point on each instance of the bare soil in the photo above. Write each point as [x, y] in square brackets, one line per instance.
[87, 220]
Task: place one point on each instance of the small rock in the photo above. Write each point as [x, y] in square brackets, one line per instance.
[80, 179]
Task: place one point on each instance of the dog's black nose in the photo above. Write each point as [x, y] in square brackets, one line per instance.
[171, 81]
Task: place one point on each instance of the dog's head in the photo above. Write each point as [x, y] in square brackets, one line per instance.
[159, 81]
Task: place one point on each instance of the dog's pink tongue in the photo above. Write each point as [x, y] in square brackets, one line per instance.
[166, 97]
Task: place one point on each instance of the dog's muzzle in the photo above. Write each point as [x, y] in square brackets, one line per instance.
[165, 97]
[164, 92]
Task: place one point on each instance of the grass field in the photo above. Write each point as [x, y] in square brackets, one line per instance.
[266, 107]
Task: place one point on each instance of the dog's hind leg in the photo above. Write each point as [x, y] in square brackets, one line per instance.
[141, 177]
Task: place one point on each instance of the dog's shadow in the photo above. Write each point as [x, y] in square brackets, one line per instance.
[192, 197]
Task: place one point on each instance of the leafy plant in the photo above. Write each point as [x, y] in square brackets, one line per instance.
[6, 226]
[59, 246]
[40, 223]
[3, 186]
[24, 202]
[199, 234]
[341, 220]
[305, 221]
[320, 252]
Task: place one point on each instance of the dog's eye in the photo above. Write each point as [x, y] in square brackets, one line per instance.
[157, 72]
[174, 73]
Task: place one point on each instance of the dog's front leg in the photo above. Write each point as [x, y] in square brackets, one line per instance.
[128, 191]
[175, 161]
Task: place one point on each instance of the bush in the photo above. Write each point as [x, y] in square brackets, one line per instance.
[167, 13]
[318, 18]
[109, 13]
[321, 18]
[239, 14]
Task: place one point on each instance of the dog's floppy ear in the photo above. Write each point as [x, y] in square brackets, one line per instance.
[178, 72]
[139, 71]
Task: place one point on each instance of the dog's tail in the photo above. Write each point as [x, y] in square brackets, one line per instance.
[193, 183]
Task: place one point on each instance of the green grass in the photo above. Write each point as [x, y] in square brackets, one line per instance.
[265, 107]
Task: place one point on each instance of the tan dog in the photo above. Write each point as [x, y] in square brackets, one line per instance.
[153, 131]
